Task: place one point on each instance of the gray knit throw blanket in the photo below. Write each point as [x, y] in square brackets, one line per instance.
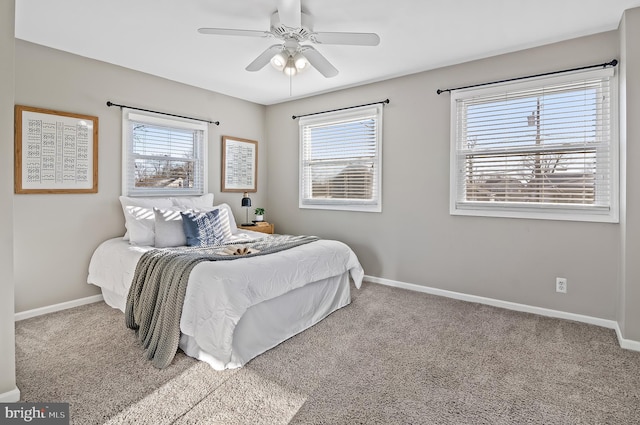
[156, 296]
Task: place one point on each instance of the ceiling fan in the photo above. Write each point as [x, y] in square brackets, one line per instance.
[294, 27]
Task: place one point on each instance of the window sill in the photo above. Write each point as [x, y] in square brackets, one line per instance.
[547, 212]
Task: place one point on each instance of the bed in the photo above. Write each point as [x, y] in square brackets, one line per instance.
[236, 310]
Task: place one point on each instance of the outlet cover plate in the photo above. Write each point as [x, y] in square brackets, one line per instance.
[561, 285]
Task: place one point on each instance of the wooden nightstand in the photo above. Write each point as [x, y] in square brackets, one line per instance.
[262, 227]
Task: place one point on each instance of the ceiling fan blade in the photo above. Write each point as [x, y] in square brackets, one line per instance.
[346, 38]
[264, 58]
[290, 13]
[319, 62]
[230, 31]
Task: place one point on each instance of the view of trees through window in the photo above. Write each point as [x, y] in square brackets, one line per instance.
[164, 157]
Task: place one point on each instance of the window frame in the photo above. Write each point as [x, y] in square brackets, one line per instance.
[131, 115]
[331, 118]
[545, 211]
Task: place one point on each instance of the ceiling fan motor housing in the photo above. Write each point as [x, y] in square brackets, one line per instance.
[284, 32]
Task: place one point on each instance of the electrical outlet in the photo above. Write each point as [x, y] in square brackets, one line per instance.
[561, 285]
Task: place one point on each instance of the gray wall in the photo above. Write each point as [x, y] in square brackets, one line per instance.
[7, 335]
[414, 239]
[628, 312]
[56, 234]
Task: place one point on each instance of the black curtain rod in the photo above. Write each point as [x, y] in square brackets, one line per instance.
[601, 65]
[109, 103]
[386, 101]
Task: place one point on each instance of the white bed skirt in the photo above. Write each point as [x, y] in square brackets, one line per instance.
[267, 324]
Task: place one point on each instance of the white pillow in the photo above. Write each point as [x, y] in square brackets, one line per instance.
[204, 201]
[139, 218]
[232, 219]
[169, 231]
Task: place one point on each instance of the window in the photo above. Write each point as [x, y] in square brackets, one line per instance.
[163, 155]
[540, 149]
[341, 160]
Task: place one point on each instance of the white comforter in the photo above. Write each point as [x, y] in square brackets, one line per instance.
[220, 292]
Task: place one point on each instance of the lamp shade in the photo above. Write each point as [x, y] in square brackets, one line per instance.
[279, 60]
[300, 61]
[290, 68]
[246, 201]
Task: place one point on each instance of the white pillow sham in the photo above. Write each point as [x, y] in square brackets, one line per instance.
[204, 201]
[139, 218]
[232, 219]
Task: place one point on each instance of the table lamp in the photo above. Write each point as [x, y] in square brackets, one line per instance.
[246, 203]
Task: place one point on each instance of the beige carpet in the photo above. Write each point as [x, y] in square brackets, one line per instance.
[391, 357]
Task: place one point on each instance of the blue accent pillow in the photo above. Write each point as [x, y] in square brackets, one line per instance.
[206, 228]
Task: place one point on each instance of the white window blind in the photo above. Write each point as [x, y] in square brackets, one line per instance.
[340, 166]
[163, 156]
[542, 149]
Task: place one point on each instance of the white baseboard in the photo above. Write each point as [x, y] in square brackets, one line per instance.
[629, 344]
[57, 307]
[610, 324]
[10, 396]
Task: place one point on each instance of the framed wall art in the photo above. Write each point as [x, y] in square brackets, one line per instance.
[239, 165]
[55, 152]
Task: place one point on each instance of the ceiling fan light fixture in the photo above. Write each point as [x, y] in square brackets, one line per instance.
[279, 61]
[290, 68]
[300, 61]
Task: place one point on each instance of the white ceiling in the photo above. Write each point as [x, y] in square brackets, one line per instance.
[160, 37]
